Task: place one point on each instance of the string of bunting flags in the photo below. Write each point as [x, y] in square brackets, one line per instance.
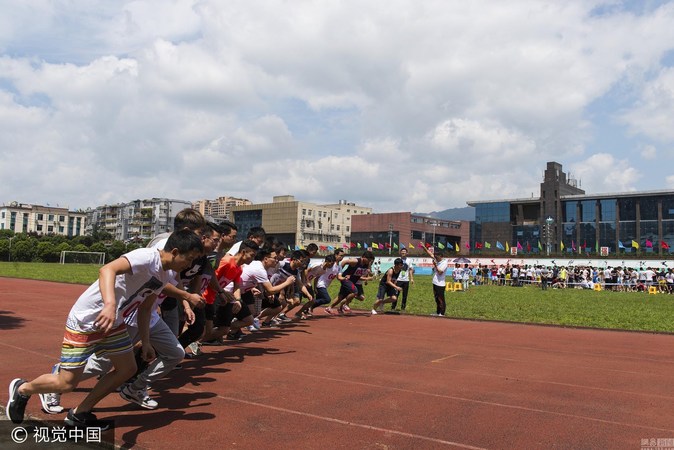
[506, 247]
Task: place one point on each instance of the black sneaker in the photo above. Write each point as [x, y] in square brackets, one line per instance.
[236, 336]
[86, 419]
[16, 406]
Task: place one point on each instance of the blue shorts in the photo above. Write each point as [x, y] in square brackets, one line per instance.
[322, 296]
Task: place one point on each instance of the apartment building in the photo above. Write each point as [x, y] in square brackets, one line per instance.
[43, 220]
[299, 223]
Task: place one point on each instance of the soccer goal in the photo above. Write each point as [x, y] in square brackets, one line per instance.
[73, 257]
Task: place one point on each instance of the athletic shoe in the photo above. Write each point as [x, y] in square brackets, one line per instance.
[283, 318]
[329, 310]
[300, 317]
[195, 348]
[138, 397]
[269, 324]
[252, 328]
[346, 309]
[256, 323]
[16, 406]
[374, 312]
[214, 342]
[85, 420]
[309, 313]
[235, 336]
[51, 403]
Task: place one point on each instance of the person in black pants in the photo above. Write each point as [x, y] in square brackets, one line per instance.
[404, 279]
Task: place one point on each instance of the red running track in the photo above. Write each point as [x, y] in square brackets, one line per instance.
[384, 382]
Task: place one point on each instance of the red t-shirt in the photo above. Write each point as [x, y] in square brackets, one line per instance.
[227, 272]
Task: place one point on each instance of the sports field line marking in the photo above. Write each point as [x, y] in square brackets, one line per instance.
[443, 339]
[25, 350]
[470, 400]
[341, 422]
[445, 358]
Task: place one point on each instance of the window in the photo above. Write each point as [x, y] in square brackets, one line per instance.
[51, 217]
[607, 210]
[337, 227]
[62, 218]
[40, 217]
[347, 228]
[587, 210]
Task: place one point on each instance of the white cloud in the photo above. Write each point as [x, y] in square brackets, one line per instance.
[398, 105]
[649, 152]
[651, 116]
[603, 172]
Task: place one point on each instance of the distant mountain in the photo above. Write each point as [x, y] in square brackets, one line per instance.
[466, 213]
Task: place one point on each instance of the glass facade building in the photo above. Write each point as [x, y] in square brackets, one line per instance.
[611, 223]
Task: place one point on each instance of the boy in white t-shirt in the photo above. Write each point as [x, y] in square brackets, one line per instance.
[319, 277]
[95, 324]
[439, 274]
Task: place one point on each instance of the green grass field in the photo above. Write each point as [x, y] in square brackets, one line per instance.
[569, 307]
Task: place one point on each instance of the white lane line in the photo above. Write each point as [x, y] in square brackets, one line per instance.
[445, 358]
[470, 400]
[342, 422]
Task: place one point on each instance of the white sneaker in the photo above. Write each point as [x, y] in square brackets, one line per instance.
[138, 397]
[374, 313]
[256, 324]
[51, 402]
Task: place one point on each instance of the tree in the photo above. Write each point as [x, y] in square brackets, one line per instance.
[117, 249]
[46, 252]
[24, 250]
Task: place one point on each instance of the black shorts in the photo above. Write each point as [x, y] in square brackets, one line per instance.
[209, 311]
[224, 314]
[386, 291]
[248, 298]
[271, 301]
[347, 288]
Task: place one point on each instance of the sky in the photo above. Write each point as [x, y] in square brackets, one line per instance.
[418, 105]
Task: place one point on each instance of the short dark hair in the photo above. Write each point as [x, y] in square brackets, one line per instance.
[398, 261]
[225, 227]
[184, 241]
[312, 247]
[188, 218]
[330, 258]
[368, 254]
[296, 254]
[248, 245]
[263, 253]
[256, 232]
[338, 251]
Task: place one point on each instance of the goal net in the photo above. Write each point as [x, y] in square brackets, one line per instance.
[72, 257]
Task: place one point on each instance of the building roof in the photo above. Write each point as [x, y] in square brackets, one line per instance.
[579, 197]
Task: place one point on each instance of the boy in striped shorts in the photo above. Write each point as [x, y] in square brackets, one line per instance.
[95, 325]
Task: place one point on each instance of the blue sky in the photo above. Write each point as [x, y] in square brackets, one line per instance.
[397, 105]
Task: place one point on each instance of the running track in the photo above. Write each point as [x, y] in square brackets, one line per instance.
[385, 382]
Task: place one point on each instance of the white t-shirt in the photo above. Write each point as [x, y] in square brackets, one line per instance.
[439, 273]
[146, 277]
[252, 275]
[315, 270]
[326, 278]
[405, 272]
